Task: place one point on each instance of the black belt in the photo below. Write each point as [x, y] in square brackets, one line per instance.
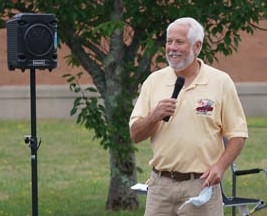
[177, 176]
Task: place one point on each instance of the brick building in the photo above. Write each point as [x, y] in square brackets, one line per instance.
[247, 67]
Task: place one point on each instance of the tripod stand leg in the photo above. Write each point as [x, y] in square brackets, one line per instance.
[33, 144]
[34, 177]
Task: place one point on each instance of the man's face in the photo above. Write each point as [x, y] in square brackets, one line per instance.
[179, 50]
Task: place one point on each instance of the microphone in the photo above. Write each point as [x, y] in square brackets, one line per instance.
[177, 88]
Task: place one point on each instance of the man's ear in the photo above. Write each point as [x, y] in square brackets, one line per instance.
[197, 47]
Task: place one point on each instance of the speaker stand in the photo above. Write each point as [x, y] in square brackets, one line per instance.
[33, 144]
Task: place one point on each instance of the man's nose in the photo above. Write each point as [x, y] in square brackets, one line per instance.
[173, 46]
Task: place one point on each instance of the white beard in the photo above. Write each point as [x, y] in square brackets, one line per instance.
[184, 63]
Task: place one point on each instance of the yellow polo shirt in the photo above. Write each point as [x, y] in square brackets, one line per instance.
[207, 110]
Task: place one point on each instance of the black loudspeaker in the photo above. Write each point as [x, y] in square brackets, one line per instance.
[32, 41]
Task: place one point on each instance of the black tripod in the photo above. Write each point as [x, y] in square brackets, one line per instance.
[32, 46]
[33, 144]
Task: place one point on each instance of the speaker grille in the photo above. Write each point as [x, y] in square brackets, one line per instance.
[38, 40]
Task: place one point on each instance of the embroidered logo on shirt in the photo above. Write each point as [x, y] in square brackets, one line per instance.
[204, 106]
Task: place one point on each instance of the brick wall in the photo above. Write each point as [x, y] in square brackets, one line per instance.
[248, 68]
[248, 65]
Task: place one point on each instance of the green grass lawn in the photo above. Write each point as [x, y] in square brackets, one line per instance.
[73, 170]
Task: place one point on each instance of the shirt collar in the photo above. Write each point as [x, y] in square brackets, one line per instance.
[200, 79]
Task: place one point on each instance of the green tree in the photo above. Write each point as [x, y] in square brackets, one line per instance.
[119, 42]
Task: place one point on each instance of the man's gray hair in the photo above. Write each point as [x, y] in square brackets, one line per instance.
[196, 30]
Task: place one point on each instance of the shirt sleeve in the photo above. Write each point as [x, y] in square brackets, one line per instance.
[141, 108]
[234, 122]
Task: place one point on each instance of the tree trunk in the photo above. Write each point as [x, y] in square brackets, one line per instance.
[123, 176]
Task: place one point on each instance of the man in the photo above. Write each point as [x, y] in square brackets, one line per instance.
[188, 151]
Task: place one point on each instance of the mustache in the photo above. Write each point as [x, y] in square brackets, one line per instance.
[174, 53]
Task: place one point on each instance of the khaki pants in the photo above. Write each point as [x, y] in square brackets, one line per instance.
[165, 197]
